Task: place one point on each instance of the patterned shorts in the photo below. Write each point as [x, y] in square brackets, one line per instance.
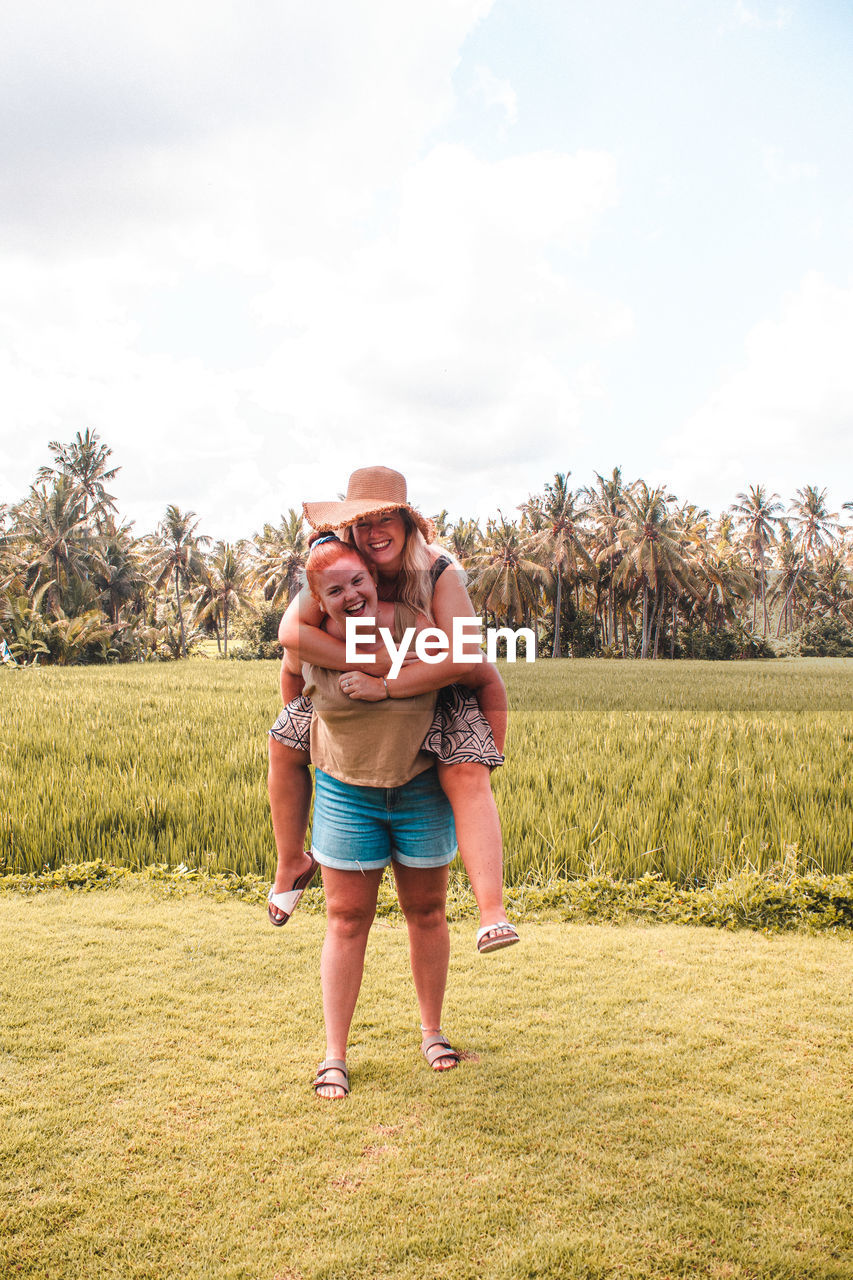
[293, 726]
[459, 733]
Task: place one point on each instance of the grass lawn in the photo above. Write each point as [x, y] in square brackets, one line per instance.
[634, 1102]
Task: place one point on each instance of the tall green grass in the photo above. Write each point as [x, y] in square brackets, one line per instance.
[691, 770]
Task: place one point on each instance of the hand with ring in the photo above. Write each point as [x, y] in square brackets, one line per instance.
[362, 687]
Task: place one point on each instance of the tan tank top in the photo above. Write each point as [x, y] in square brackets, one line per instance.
[368, 744]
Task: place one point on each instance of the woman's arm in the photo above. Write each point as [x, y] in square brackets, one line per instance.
[483, 678]
[300, 633]
[450, 598]
[414, 678]
[302, 637]
[417, 677]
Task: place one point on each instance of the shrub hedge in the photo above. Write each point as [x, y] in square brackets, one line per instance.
[769, 902]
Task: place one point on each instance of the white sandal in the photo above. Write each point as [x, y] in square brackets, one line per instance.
[288, 900]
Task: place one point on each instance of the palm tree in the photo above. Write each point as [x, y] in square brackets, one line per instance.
[506, 580]
[70, 637]
[605, 506]
[559, 542]
[118, 576]
[442, 525]
[12, 563]
[177, 558]
[84, 461]
[25, 626]
[723, 580]
[791, 562]
[463, 539]
[56, 542]
[225, 588]
[833, 589]
[815, 525]
[652, 556]
[690, 525]
[280, 555]
[756, 514]
[533, 514]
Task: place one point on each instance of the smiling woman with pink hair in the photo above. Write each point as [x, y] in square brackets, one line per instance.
[377, 803]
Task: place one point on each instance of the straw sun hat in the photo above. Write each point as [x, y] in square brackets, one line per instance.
[371, 491]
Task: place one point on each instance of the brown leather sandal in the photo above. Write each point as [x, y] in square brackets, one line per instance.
[492, 937]
[437, 1048]
[332, 1067]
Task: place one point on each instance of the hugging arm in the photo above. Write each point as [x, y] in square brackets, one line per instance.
[450, 600]
[414, 678]
[304, 641]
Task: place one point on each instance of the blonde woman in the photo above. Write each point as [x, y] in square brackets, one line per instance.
[467, 735]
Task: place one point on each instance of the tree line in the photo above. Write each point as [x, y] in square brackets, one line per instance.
[616, 569]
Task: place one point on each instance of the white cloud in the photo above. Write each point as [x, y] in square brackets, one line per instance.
[783, 171]
[746, 16]
[69, 360]
[154, 146]
[455, 333]
[446, 342]
[494, 92]
[221, 130]
[230, 248]
[784, 417]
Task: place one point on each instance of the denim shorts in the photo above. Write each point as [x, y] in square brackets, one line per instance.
[364, 828]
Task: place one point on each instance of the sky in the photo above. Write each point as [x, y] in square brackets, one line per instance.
[257, 246]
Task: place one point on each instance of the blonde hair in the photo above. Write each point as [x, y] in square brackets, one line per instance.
[413, 585]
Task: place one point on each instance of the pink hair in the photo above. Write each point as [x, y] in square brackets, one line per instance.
[328, 553]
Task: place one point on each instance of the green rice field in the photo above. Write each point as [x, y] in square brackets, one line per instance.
[690, 770]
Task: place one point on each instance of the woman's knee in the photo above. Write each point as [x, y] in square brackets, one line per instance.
[350, 901]
[348, 920]
[422, 893]
[284, 761]
[427, 911]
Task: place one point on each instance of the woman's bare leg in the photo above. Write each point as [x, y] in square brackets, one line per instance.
[289, 786]
[350, 908]
[491, 699]
[478, 830]
[423, 899]
[468, 788]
